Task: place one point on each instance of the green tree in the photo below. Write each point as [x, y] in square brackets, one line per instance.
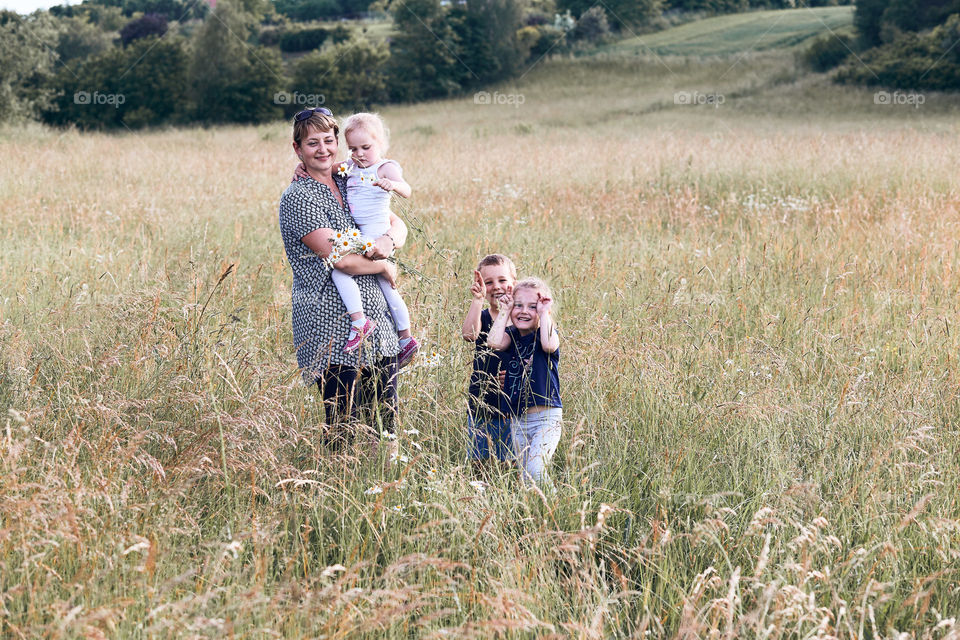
[80, 39]
[623, 14]
[231, 80]
[140, 85]
[423, 58]
[486, 40]
[27, 62]
[347, 77]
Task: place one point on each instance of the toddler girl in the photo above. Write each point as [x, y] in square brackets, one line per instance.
[530, 351]
[370, 180]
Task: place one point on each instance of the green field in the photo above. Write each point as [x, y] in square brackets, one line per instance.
[758, 302]
[739, 33]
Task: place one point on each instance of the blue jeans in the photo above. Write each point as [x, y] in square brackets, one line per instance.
[490, 433]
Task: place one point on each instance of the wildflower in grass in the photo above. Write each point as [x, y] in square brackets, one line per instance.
[431, 473]
[479, 485]
[396, 456]
[372, 491]
[412, 432]
[397, 508]
[388, 435]
[233, 548]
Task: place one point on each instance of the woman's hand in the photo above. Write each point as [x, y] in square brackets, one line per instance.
[544, 305]
[300, 172]
[382, 248]
[478, 289]
[390, 272]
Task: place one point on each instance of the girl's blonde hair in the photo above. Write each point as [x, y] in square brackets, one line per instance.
[372, 124]
[536, 284]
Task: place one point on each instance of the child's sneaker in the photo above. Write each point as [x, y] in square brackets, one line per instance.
[407, 351]
[357, 335]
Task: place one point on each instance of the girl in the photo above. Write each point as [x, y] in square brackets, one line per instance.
[370, 180]
[531, 355]
[488, 407]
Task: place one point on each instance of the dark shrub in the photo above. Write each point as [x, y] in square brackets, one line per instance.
[152, 24]
[828, 52]
[303, 39]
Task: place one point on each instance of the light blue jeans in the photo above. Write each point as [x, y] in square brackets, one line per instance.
[535, 437]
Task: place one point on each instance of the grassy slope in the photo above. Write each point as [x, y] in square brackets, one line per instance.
[759, 374]
[739, 33]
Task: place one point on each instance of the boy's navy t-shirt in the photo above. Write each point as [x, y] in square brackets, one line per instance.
[487, 400]
[533, 376]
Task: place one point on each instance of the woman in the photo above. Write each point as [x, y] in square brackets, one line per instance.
[363, 381]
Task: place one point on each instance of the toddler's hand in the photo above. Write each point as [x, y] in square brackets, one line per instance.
[384, 183]
[300, 172]
[478, 289]
[544, 305]
[390, 273]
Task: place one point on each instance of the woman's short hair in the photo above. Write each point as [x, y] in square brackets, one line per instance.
[495, 259]
[373, 124]
[317, 121]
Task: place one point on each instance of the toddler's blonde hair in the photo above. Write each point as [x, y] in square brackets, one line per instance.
[372, 124]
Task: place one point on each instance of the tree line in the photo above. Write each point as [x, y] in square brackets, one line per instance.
[897, 44]
[136, 63]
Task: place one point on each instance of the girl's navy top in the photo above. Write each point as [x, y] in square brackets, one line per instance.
[533, 376]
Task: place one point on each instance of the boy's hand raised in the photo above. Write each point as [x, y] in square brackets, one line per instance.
[478, 289]
[506, 302]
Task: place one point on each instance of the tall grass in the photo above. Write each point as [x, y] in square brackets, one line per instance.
[758, 371]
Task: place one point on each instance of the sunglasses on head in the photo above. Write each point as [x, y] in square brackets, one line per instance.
[306, 113]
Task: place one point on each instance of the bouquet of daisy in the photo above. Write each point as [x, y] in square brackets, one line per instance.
[347, 242]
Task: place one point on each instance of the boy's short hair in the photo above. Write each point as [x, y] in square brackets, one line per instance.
[495, 259]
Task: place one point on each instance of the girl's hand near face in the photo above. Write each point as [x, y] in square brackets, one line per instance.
[478, 289]
[544, 305]
[300, 172]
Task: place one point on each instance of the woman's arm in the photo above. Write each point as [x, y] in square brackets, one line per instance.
[471, 324]
[499, 339]
[549, 338]
[355, 265]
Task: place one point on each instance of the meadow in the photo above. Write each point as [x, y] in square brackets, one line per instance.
[758, 302]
